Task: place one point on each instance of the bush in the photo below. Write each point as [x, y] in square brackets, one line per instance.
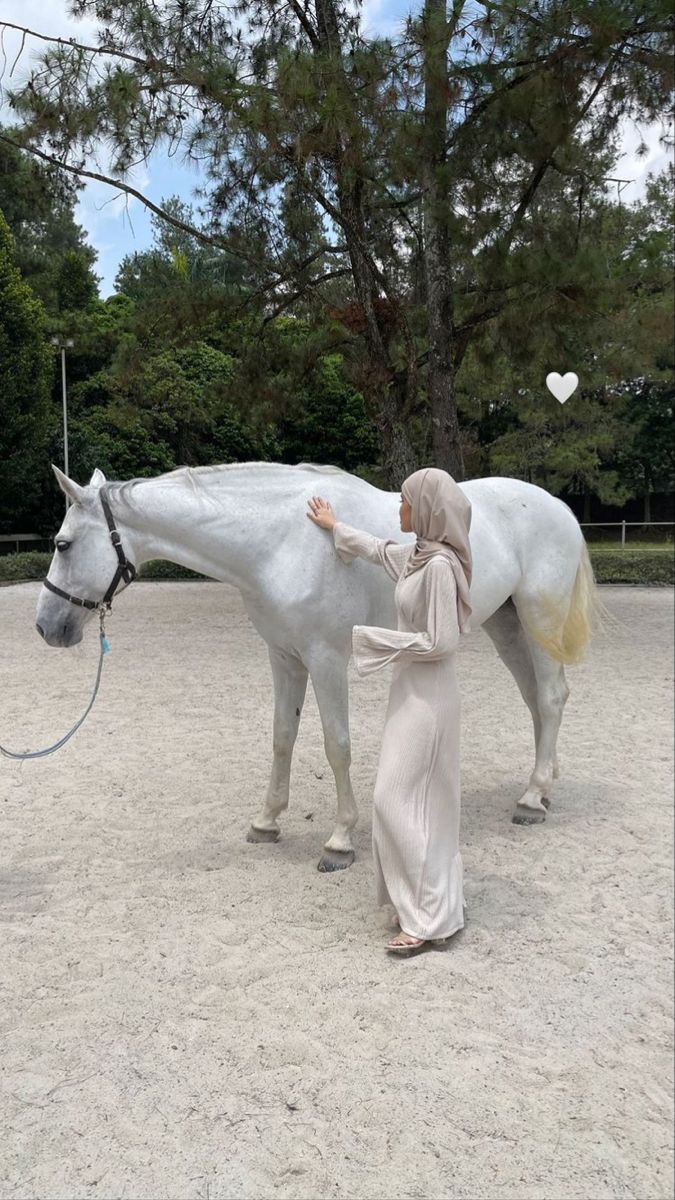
[647, 567]
[159, 568]
[34, 564]
[18, 568]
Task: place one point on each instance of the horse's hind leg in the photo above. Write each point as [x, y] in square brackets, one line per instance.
[538, 676]
[552, 694]
[506, 631]
[290, 687]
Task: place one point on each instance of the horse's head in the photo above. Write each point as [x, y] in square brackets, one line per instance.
[84, 563]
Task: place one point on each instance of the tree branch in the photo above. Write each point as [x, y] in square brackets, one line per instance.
[307, 262]
[312, 283]
[480, 315]
[72, 44]
[148, 65]
[305, 22]
[184, 227]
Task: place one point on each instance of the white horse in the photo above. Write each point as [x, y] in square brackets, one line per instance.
[245, 524]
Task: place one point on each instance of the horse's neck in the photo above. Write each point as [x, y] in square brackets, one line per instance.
[212, 531]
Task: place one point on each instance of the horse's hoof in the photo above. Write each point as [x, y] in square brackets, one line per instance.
[262, 835]
[528, 816]
[335, 860]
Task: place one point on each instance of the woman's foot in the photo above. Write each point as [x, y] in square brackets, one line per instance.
[405, 943]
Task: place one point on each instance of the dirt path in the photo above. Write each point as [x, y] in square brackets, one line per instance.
[186, 1015]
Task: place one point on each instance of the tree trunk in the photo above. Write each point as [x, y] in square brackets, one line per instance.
[388, 389]
[447, 450]
[587, 509]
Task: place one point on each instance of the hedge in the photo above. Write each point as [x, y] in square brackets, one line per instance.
[34, 564]
[646, 567]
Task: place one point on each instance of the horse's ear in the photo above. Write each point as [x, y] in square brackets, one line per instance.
[73, 490]
[98, 479]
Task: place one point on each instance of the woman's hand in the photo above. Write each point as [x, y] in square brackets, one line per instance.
[322, 513]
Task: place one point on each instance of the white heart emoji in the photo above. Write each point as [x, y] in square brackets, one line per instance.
[562, 386]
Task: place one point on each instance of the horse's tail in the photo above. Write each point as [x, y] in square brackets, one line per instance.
[565, 636]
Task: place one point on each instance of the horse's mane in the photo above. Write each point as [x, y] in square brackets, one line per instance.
[195, 475]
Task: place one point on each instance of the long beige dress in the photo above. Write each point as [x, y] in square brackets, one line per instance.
[416, 803]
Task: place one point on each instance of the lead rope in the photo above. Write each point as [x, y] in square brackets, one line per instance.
[105, 646]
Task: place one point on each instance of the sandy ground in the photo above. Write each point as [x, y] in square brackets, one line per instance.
[187, 1015]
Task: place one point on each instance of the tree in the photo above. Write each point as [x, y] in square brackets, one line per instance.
[327, 421]
[38, 202]
[179, 257]
[329, 168]
[26, 374]
[645, 457]
[619, 341]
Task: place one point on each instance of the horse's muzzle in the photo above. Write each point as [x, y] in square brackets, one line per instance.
[64, 635]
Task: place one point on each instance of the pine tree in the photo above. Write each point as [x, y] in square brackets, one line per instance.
[408, 183]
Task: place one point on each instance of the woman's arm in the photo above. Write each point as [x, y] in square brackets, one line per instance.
[375, 648]
[353, 543]
[356, 543]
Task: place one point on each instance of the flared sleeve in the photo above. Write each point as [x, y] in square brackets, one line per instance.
[353, 543]
[375, 648]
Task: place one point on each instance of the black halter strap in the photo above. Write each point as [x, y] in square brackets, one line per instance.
[125, 569]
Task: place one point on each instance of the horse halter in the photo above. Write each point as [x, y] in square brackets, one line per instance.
[125, 569]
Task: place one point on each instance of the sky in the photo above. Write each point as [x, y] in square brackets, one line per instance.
[117, 225]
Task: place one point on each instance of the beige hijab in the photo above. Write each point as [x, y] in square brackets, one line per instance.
[441, 518]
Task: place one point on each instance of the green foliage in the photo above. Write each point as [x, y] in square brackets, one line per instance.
[329, 422]
[74, 282]
[645, 453]
[638, 567]
[294, 322]
[50, 248]
[159, 569]
[25, 566]
[25, 375]
[610, 439]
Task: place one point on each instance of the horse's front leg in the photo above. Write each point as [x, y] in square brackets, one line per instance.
[290, 687]
[329, 680]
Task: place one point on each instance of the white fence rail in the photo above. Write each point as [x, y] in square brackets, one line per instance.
[18, 538]
[623, 525]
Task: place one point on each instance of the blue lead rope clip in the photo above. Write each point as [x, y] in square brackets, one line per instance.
[105, 644]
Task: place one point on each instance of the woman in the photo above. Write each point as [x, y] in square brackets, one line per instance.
[416, 803]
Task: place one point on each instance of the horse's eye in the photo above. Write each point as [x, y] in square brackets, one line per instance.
[62, 544]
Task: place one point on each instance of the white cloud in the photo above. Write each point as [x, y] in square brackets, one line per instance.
[630, 167]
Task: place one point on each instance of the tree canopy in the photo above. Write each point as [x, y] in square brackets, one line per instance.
[25, 371]
[418, 172]
[399, 237]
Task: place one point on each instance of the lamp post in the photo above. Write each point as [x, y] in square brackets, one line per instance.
[64, 344]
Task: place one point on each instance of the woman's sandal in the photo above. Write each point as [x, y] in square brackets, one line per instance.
[405, 949]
